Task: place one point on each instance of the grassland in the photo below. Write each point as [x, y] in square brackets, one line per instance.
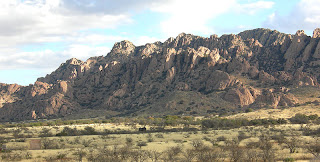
[120, 141]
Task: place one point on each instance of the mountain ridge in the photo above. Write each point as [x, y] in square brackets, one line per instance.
[255, 68]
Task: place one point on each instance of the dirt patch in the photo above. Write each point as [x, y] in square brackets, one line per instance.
[35, 144]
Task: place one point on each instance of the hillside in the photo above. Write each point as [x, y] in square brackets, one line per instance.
[189, 74]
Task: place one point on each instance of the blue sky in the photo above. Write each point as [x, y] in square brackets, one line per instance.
[36, 36]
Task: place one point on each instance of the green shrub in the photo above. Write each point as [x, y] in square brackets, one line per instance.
[249, 110]
[288, 160]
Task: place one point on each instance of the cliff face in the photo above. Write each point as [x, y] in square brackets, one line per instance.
[251, 69]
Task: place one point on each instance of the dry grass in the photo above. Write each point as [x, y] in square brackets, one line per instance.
[279, 113]
[162, 141]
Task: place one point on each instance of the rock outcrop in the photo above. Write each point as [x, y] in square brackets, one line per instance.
[241, 96]
[275, 99]
[253, 68]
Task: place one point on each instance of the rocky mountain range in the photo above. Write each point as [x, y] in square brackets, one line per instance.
[184, 75]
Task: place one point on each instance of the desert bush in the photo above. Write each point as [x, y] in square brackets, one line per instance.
[124, 153]
[89, 131]
[178, 141]
[69, 132]
[252, 155]
[155, 155]
[27, 155]
[150, 138]
[12, 156]
[249, 110]
[104, 136]
[221, 123]
[202, 153]
[104, 154]
[139, 155]
[18, 146]
[197, 144]
[210, 154]
[205, 131]
[129, 141]
[3, 131]
[236, 153]
[265, 144]
[20, 140]
[141, 143]
[17, 133]
[16, 155]
[189, 155]
[221, 138]
[313, 117]
[80, 154]
[159, 135]
[86, 143]
[58, 157]
[313, 147]
[172, 153]
[206, 138]
[299, 119]
[47, 143]
[288, 160]
[45, 132]
[61, 155]
[278, 137]
[76, 140]
[242, 136]
[292, 143]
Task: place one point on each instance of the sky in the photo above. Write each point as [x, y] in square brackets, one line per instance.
[36, 36]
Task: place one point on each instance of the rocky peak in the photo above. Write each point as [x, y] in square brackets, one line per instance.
[74, 61]
[316, 33]
[300, 33]
[148, 49]
[9, 88]
[266, 37]
[124, 47]
[66, 71]
[214, 36]
[183, 40]
[181, 35]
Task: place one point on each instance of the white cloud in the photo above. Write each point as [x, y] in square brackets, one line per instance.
[190, 16]
[39, 21]
[254, 7]
[305, 15]
[107, 6]
[311, 11]
[193, 16]
[93, 39]
[40, 59]
[48, 59]
[83, 52]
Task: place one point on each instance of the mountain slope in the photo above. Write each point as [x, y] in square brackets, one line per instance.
[183, 75]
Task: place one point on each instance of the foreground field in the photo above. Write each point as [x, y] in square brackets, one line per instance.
[122, 142]
[290, 134]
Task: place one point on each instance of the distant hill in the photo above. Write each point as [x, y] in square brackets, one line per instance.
[189, 74]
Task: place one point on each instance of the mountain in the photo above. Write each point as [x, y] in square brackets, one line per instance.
[189, 74]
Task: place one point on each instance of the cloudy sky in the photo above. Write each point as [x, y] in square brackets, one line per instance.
[36, 36]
